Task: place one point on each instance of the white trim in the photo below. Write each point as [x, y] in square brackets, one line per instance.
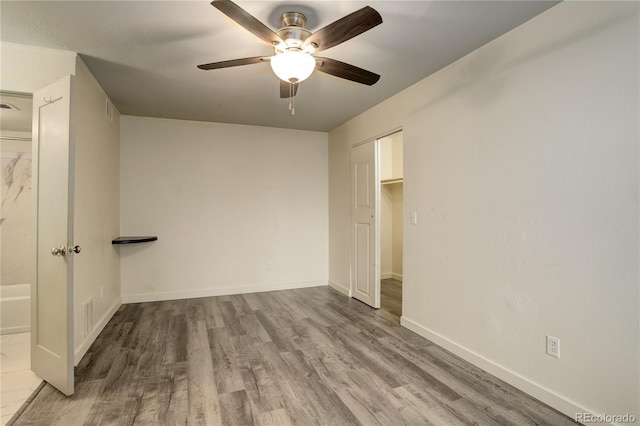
[391, 275]
[93, 335]
[209, 292]
[536, 390]
[339, 287]
[15, 329]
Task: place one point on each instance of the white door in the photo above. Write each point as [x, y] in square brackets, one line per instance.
[52, 288]
[365, 271]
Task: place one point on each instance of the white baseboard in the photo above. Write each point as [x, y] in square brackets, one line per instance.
[536, 390]
[226, 291]
[391, 275]
[396, 277]
[97, 329]
[339, 287]
[16, 329]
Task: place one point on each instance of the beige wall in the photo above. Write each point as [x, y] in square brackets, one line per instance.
[225, 202]
[26, 69]
[386, 231]
[390, 149]
[396, 190]
[391, 218]
[521, 160]
[96, 208]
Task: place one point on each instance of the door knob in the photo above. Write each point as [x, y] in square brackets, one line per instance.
[59, 251]
[74, 249]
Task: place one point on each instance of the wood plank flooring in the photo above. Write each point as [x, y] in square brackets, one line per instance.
[391, 297]
[303, 357]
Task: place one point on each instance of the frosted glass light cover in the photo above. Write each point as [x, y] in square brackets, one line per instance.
[293, 65]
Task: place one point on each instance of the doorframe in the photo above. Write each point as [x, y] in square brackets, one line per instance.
[378, 191]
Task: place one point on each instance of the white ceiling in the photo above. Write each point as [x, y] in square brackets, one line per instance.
[144, 53]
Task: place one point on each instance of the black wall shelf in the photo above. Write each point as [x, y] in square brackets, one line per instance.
[133, 240]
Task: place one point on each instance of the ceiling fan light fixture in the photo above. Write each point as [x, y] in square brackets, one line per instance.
[293, 65]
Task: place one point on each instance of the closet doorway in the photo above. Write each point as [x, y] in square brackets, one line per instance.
[391, 223]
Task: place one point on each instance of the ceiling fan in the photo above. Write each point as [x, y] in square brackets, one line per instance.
[295, 46]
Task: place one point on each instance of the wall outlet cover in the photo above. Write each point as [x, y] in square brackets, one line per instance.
[553, 346]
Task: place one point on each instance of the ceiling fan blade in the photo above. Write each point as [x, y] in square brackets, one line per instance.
[346, 71]
[345, 28]
[234, 63]
[285, 89]
[247, 21]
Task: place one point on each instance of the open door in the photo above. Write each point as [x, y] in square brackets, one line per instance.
[365, 270]
[52, 287]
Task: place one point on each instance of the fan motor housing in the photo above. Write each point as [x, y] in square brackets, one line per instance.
[293, 32]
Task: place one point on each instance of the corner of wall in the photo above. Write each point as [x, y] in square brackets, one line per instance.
[559, 402]
[84, 346]
[341, 288]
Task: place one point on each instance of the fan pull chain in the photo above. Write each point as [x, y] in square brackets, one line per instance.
[292, 104]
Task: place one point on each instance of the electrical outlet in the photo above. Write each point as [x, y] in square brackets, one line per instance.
[553, 346]
[269, 266]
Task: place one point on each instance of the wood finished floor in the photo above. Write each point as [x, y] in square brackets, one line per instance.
[391, 297]
[304, 357]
